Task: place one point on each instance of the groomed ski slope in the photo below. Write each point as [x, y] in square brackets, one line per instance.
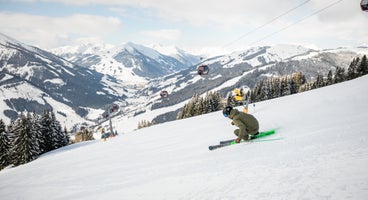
[324, 155]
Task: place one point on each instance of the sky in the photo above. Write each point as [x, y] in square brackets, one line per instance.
[196, 26]
[321, 152]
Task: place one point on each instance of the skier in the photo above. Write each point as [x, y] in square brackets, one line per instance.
[247, 123]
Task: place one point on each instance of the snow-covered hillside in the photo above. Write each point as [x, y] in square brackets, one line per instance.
[323, 155]
[238, 69]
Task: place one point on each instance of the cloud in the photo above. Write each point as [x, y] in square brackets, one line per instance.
[194, 12]
[165, 34]
[200, 23]
[49, 32]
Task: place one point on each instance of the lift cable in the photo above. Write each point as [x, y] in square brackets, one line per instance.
[267, 23]
[302, 19]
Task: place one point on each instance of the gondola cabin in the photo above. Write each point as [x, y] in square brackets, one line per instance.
[364, 5]
[203, 70]
[164, 94]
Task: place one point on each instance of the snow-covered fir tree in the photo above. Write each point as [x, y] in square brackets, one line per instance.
[339, 75]
[45, 126]
[25, 146]
[36, 129]
[201, 105]
[329, 80]
[4, 146]
[285, 86]
[319, 82]
[353, 69]
[58, 136]
[278, 86]
[362, 68]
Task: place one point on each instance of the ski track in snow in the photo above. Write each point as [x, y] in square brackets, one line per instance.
[323, 155]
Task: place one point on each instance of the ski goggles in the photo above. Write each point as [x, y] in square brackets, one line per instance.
[226, 115]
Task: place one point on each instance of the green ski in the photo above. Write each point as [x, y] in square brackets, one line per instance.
[254, 139]
[260, 135]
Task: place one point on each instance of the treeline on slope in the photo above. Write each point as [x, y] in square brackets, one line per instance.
[274, 87]
[145, 123]
[30, 136]
[201, 105]
[198, 105]
[291, 84]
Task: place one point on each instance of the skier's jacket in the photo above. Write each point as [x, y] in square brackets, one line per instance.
[247, 123]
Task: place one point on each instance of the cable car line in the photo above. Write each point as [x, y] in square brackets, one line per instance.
[267, 23]
[293, 24]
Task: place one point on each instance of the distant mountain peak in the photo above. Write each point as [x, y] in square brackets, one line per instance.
[6, 39]
[129, 61]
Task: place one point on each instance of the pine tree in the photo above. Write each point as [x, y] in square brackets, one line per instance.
[192, 106]
[181, 113]
[141, 124]
[276, 87]
[329, 78]
[268, 90]
[319, 81]
[36, 129]
[25, 145]
[201, 107]
[352, 70]
[339, 75]
[4, 146]
[284, 87]
[46, 132]
[208, 103]
[217, 101]
[58, 137]
[364, 65]
[255, 92]
[35, 132]
[362, 68]
[263, 90]
[292, 86]
[306, 86]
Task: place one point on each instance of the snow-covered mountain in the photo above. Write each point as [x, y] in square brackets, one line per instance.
[322, 153]
[32, 79]
[134, 64]
[244, 68]
[128, 62]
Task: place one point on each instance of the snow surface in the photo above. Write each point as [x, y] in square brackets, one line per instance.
[323, 155]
